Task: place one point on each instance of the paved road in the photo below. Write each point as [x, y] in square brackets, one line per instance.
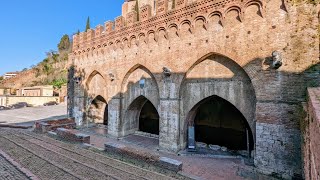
[26, 116]
[49, 159]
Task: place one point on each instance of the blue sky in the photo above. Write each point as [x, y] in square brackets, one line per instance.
[30, 28]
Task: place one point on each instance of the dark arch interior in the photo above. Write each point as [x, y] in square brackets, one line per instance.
[218, 122]
[149, 118]
[98, 111]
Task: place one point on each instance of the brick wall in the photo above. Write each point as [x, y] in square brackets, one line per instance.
[204, 45]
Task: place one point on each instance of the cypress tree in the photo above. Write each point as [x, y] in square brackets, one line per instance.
[136, 8]
[88, 24]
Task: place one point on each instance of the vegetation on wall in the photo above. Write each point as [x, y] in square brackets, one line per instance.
[53, 70]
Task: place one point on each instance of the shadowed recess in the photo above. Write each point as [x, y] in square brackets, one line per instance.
[218, 122]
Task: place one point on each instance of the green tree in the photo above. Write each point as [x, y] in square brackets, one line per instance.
[1, 78]
[136, 8]
[64, 43]
[57, 83]
[88, 24]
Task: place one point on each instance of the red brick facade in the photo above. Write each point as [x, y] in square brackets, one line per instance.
[212, 48]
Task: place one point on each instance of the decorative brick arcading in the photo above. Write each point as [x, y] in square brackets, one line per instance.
[124, 28]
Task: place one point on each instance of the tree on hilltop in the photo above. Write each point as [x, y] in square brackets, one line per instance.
[88, 24]
[64, 44]
[136, 8]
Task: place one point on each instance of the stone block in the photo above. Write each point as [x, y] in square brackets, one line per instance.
[171, 164]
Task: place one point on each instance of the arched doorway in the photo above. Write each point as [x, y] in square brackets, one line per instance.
[139, 97]
[218, 122]
[212, 77]
[98, 111]
[149, 119]
[141, 116]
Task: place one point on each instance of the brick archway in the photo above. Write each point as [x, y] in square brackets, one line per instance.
[217, 75]
[138, 82]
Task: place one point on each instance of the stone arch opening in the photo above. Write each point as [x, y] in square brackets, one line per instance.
[138, 82]
[217, 122]
[142, 116]
[216, 75]
[149, 119]
[98, 111]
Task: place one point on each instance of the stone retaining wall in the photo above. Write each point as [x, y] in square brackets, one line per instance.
[312, 136]
[35, 101]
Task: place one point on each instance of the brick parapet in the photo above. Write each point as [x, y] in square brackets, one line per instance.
[163, 19]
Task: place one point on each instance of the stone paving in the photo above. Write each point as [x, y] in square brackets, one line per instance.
[26, 116]
[47, 158]
[198, 167]
[51, 159]
[9, 171]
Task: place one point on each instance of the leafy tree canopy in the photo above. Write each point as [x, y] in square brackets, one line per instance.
[64, 44]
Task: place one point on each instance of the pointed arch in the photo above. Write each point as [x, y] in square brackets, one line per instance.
[131, 90]
[131, 70]
[92, 74]
[97, 111]
[236, 88]
[141, 115]
[98, 88]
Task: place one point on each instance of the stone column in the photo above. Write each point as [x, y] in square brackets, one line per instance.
[169, 124]
[169, 111]
[114, 117]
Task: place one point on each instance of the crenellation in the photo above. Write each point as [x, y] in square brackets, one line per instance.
[75, 44]
[162, 7]
[99, 30]
[145, 12]
[109, 26]
[211, 9]
[131, 18]
[119, 23]
[83, 39]
[90, 35]
[180, 3]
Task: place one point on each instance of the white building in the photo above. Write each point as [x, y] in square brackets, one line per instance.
[10, 75]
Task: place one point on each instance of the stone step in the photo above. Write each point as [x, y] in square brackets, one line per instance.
[139, 154]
